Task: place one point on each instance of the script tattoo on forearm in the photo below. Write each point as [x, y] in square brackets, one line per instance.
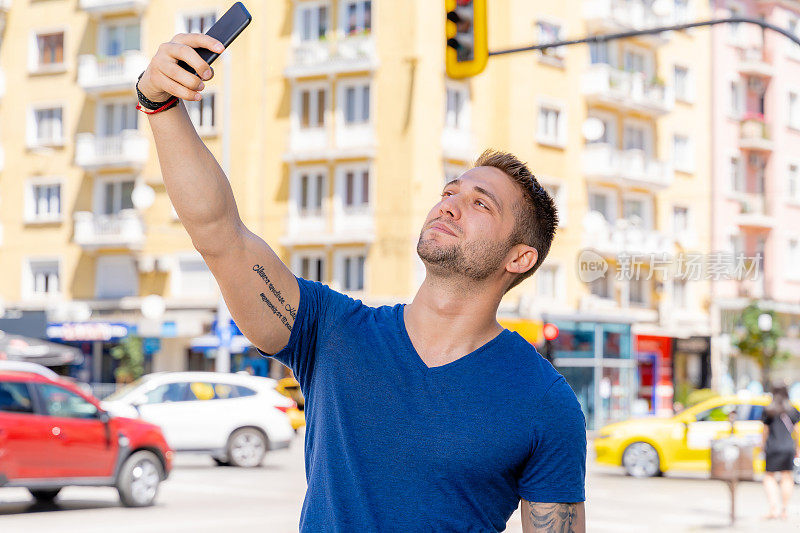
[285, 309]
[554, 517]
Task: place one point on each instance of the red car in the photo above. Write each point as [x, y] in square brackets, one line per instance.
[54, 435]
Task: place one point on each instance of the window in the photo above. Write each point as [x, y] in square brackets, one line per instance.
[117, 196]
[679, 293]
[794, 111]
[44, 201]
[680, 219]
[550, 126]
[50, 48]
[609, 130]
[737, 99]
[549, 33]
[311, 192]
[357, 17]
[117, 38]
[194, 278]
[352, 275]
[681, 152]
[44, 277]
[203, 113]
[639, 291]
[637, 210]
[356, 104]
[635, 62]
[169, 392]
[356, 188]
[312, 108]
[312, 22]
[682, 12]
[15, 398]
[312, 268]
[599, 53]
[547, 282]
[556, 192]
[793, 187]
[602, 202]
[682, 89]
[48, 126]
[61, 402]
[635, 137]
[199, 23]
[602, 287]
[737, 175]
[735, 28]
[116, 117]
[456, 108]
[116, 276]
[793, 259]
[716, 414]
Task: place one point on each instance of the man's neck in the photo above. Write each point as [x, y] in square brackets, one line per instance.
[447, 320]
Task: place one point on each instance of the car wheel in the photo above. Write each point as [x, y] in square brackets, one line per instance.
[640, 460]
[139, 478]
[246, 447]
[45, 495]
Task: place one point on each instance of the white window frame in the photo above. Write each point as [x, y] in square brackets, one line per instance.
[32, 129]
[551, 56]
[311, 255]
[689, 220]
[193, 107]
[176, 275]
[734, 31]
[689, 95]
[33, 51]
[688, 165]
[559, 282]
[98, 196]
[792, 259]
[648, 220]
[736, 103]
[686, 304]
[338, 270]
[647, 127]
[313, 6]
[36, 181]
[103, 28]
[559, 140]
[649, 58]
[341, 185]
[180, 17]
[99, 291]
[296, 190]
[560, 197]
[609, 193]
[341, 89]
[793, 111]
[647, 287]
[742, 175]
[297, 102]
[611, 285]
[100, 112]
[342, 26]
[465, 117]
[28, 282]
[610, 119]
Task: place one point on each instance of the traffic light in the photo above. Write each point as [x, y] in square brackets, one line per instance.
[550, 332]
[467, 50]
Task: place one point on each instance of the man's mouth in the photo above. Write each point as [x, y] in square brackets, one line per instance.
[444, 229]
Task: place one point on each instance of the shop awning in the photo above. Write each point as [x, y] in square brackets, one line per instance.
[530, 330]
[21, 348]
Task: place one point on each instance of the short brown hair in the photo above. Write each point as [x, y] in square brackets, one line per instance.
[536, 213]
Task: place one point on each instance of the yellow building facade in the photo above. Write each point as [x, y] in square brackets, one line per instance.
[338, 128]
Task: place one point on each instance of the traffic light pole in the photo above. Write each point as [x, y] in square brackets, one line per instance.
[649, 31]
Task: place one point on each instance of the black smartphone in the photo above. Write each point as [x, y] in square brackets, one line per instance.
[225, 30]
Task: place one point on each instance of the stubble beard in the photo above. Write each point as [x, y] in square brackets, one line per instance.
[475, 260]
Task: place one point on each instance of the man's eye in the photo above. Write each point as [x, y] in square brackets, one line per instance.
[446, 193]
[480, 203]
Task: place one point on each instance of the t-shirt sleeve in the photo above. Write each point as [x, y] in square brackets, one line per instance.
[555, 471]
[765, 417]
[318, 304]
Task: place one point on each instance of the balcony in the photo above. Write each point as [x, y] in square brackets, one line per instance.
[754, 211]
[609, 16]
[125, 150]
[631, 91]
[755, 133]
[107, 74]
[332, 56]
[312, 227]
[625, 167]
[353, 225]
[305, 226]
[109, 7]
[622, 237]
[752, 62]
[124, 229]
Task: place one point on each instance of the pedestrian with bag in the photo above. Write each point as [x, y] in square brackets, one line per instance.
[780, 449]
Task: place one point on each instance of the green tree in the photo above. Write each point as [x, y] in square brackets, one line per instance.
[130, 354]
[760, 346]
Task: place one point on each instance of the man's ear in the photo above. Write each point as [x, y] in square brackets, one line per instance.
[523, 259]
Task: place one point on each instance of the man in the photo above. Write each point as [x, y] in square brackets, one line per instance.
[423, 417]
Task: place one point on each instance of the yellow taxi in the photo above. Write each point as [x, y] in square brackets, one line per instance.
[291, 388]
[648, 446]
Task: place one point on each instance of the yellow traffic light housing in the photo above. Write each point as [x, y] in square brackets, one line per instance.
[467, 50]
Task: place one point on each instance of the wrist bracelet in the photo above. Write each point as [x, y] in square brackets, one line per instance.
[146, 102]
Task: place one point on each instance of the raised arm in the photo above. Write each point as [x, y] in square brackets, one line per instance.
[553, 517]
[260, 291]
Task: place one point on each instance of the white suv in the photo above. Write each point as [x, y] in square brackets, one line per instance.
[234, 417]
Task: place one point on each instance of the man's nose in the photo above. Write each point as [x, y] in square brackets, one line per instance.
[450, 206]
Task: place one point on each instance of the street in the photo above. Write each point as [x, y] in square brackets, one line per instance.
[200, 497]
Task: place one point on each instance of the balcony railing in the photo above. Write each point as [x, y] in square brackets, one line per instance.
[754, 211]
[620, 15]
[333, 55]
[122, 229]
[622, 237]
[752, 62]
[125, 150]
[97, 74]
[113, 6]
[636, 167]
[348, 225]
[755, 133]
[632, 91]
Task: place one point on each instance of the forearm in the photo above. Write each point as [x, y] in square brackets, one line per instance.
[195, 183]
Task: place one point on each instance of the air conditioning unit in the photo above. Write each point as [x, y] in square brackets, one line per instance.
[755, 84]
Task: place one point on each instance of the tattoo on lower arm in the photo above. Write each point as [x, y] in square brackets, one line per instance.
[554, 517]
[285, 309]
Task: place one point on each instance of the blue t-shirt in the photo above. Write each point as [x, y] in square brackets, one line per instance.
[393, 445]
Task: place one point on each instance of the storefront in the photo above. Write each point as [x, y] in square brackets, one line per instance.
[94, 340]
[691, 366]
[596, 358]
[654, 364]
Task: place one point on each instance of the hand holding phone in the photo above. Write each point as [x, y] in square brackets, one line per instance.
[174, 69]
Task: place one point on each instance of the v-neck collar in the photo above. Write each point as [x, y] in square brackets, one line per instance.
[418, 361]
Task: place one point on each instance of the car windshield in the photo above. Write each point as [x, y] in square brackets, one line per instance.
[124, 391]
